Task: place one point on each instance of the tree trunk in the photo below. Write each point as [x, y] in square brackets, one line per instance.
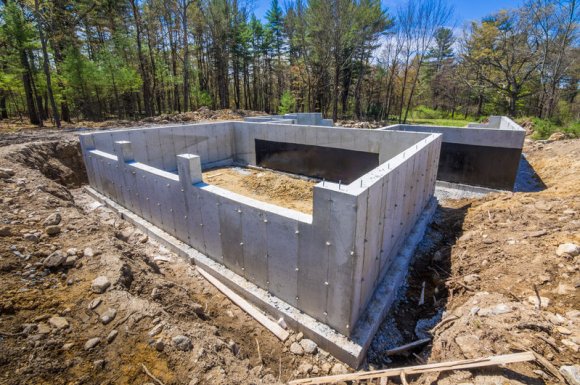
[46, 67]
[142, 64]
[3, 109]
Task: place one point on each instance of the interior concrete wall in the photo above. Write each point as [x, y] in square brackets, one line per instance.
[302, 118]
[326, 264]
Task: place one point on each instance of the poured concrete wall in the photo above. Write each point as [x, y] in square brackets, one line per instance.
[326, 264]
[486, 155]
[304, 118]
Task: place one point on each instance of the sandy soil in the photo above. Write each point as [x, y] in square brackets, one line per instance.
[481, 263]
[265, 185]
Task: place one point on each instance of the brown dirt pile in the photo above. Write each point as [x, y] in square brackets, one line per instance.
[265, 185]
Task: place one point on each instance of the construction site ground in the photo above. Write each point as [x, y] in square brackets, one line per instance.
[480, 270]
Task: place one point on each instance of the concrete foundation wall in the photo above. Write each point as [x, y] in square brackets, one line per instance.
[327, 264]
[485, 155]
[305, 118]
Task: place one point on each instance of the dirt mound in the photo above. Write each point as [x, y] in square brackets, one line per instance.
[265, 185]
[60, 161]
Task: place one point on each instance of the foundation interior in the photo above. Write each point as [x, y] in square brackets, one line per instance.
[269, 186]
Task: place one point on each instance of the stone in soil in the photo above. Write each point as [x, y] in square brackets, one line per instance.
[6, 173]
[88, 252]
[58, 322]
[52, 220]
[112, 335]
[296, 348]
[52, 230]
[54, 260]
[571, 373]
[108, 316]
[94, 303]
[309, 346]
[100, 284]
[92, 343]
[5, 231]
[338, 369]
[534, 301]
[182, 343]
[568, 250]
[469, 345]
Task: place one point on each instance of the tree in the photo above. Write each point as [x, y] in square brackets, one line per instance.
[502, 43]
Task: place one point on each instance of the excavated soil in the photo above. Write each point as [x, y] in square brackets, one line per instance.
[265, 185]
[481, 264]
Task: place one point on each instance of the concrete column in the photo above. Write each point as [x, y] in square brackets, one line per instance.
[124, 151]
[189, 169]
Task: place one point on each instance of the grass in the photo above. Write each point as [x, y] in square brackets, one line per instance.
[441, 122]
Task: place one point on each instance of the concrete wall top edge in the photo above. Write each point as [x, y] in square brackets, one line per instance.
[260, 205]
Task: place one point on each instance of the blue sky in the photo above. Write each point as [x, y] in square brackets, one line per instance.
[465, 10]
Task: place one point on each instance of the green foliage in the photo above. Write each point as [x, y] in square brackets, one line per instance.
[202, 98]
[287, 103]
[544, 128]
[424, 112]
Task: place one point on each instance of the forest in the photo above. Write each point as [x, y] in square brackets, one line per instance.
[64, 60]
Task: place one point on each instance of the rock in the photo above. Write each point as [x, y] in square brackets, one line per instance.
[99, 364]
[100, 284]
[54, 260]
[299, 336]
[159, 345]
[67, 346]
[571, 344]
[471, 278]
[71, 260]
[325, 368]
[6, 173]
[557, 136]
[112, 335]
[564, 289]
[94, 303]
[182, 343]
[58, 322]
[563, 330]
[31, 237]
[5, 231]
[534, 301]
[567, 250]
[468, 344]
[309, 346]
[52, 220]
[72, 251]
[338, 369]
[92, 343]
[296, 348]
[88, 252]
[156, 330]
[498, 309]
[305, 368]
[571, 373]
[108, 316]
[43, 328]
[556, 319]
[52, 230]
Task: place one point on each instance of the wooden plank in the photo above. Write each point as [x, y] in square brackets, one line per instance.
[247, 307]
[437, 367]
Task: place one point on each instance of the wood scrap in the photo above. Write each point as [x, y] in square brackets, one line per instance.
[269, 324]
[410, 370]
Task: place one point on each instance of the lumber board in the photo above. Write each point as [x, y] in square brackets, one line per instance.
[276, 329]
[410, 370]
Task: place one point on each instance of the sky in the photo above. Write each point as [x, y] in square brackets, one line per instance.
[465, 10]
